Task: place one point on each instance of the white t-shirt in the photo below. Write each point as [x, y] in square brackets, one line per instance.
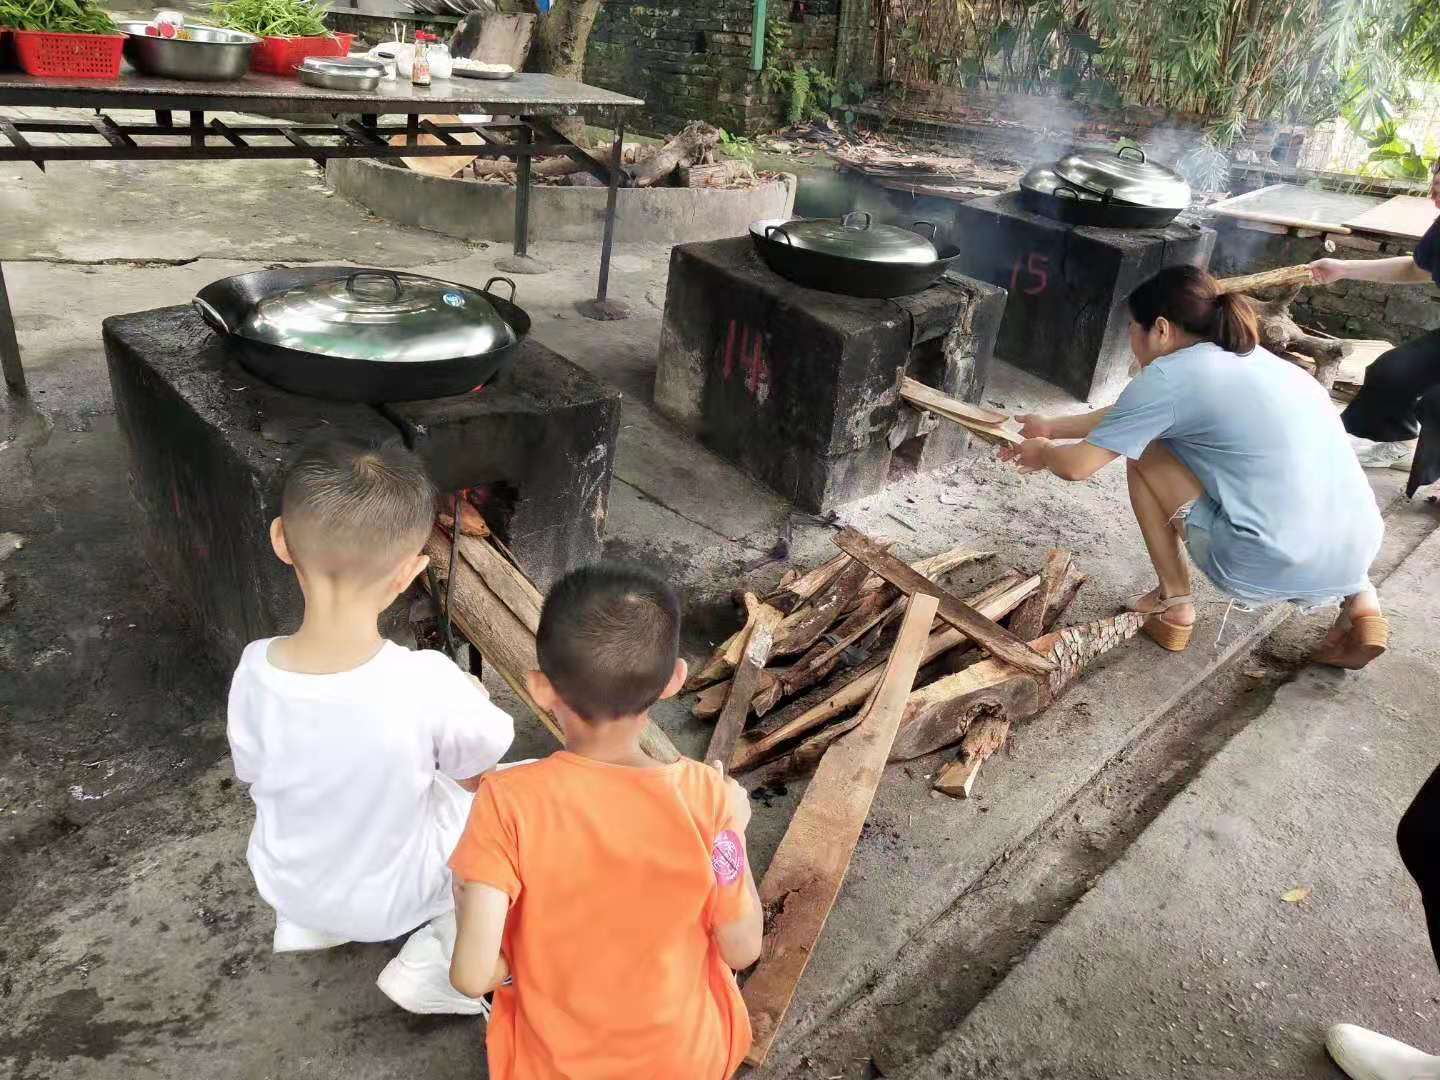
[352, 830]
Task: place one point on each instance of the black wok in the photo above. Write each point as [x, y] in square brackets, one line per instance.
[842, 274]
[225, 304]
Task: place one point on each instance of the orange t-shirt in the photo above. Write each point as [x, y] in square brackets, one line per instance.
[616, 878]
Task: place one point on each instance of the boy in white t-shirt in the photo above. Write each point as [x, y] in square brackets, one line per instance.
[361, 755]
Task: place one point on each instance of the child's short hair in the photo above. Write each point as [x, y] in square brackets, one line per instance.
[355, 509]
[608, 640]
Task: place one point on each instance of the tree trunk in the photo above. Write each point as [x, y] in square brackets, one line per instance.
[561, 40]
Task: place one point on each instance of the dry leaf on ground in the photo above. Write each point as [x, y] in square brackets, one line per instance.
[1294, 896]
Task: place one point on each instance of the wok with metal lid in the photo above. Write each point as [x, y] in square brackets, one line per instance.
[1108, 190]
[361, 334]
[852, 255]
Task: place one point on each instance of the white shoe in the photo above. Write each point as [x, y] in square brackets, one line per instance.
[1383, 455]
[1368, 1055]
[418, 979]
[291, 937]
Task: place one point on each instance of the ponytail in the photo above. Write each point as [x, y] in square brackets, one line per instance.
[1237, 330]
[1192, 301]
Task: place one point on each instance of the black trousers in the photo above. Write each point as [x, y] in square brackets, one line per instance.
[1400, 400]
[1419, 840]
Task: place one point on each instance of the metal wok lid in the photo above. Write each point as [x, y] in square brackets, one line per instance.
[380, 315]
[1127, 177]
[854, 237]
[1044, 180]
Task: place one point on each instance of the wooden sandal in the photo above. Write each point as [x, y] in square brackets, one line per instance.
[1168, 635]
[1367, 639]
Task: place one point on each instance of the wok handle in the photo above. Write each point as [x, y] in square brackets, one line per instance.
[934, 229]
[385, 275]
[1064, 191]
[505, 280]
[210, 315]
[1121, 152]
[845, 221]
[772, 231]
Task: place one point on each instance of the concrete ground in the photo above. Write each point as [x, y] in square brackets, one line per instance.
[133, 943]
[1185, 960]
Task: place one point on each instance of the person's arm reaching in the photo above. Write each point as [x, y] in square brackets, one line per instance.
[1075, 426]
[1071, 461]
[739, 940]
[1402, 270]
[476, 966]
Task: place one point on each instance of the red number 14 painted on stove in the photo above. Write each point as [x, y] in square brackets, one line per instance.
[1035, 267]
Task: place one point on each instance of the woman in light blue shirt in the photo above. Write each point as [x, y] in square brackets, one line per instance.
[1234, 455]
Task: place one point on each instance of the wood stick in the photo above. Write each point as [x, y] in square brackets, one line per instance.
[722, 663]
[804, 877]
[505, 581]
[985, 632]
[808, 584]
[802, 675]
[1028, 622]
[805, 624]
[710, 701]
[982, 740]
[742, 688]
[940, 714]
[933, 567]
[505, 643]
[1267, 279]
[753, 752]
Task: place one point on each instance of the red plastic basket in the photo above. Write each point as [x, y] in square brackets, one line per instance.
[69, 56]
[284, 55]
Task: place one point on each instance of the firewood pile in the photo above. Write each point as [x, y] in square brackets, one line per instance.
[862, 661]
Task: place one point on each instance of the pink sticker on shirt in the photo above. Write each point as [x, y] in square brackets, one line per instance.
[727, 858]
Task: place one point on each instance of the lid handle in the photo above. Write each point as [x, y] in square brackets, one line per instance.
[772, 231]
[505, 280]
[927, 224]
[1134, 149]
[845, 221]
[383, 275]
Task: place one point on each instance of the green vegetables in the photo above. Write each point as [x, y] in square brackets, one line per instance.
[271, 18]
[56, 16]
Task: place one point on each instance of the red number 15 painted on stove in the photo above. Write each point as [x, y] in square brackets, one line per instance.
[1035, 267]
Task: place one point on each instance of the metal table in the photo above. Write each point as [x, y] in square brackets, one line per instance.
[328, 124]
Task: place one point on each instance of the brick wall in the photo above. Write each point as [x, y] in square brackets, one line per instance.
[1354, 309]
[690, 59]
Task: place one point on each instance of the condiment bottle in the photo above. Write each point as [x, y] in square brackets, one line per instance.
[420, 68]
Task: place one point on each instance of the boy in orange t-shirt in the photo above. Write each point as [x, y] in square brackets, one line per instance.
[604, 897]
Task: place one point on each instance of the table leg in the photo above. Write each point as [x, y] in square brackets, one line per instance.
[602, 307]
[520, 262]
[9, 346]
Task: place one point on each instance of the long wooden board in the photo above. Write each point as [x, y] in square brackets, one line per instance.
[982, 422]
[805, 875]
[444, 167]
[986, 633]
[1297, 207]
[1404, 216]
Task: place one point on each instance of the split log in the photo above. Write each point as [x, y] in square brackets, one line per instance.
[754, 752]
[1281, 334]
[1028, 622]
[803, 626]
[710, 701]
[1268, 279]
[743, 686]
[720, 174]
[807, 585]
[504, 641]
[805, 876]
[695, 140]
[723, 662]
[933, 567]
[982, 740]
[984, 631]
[514, 589]
[472, 523]
[550, 166]
[824, 657]
[940, 714]
[982, 422]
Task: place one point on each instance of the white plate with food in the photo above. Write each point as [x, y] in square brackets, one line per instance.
[474, 69]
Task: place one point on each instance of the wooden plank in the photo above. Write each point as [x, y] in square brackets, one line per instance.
[722, 663]
[804, 877]
[443, 166]
[982, 740]
[986, 633]
[743, 687]
[505, 643]
[504, 580]
[1297, 207]
[1405, 216]
[958, 412]
[755, 751]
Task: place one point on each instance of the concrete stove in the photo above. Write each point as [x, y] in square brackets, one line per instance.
[801, 388]
[1066, 319]
[209, 442]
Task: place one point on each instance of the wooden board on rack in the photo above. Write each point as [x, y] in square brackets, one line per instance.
[1297, 207]
[1405, 216]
